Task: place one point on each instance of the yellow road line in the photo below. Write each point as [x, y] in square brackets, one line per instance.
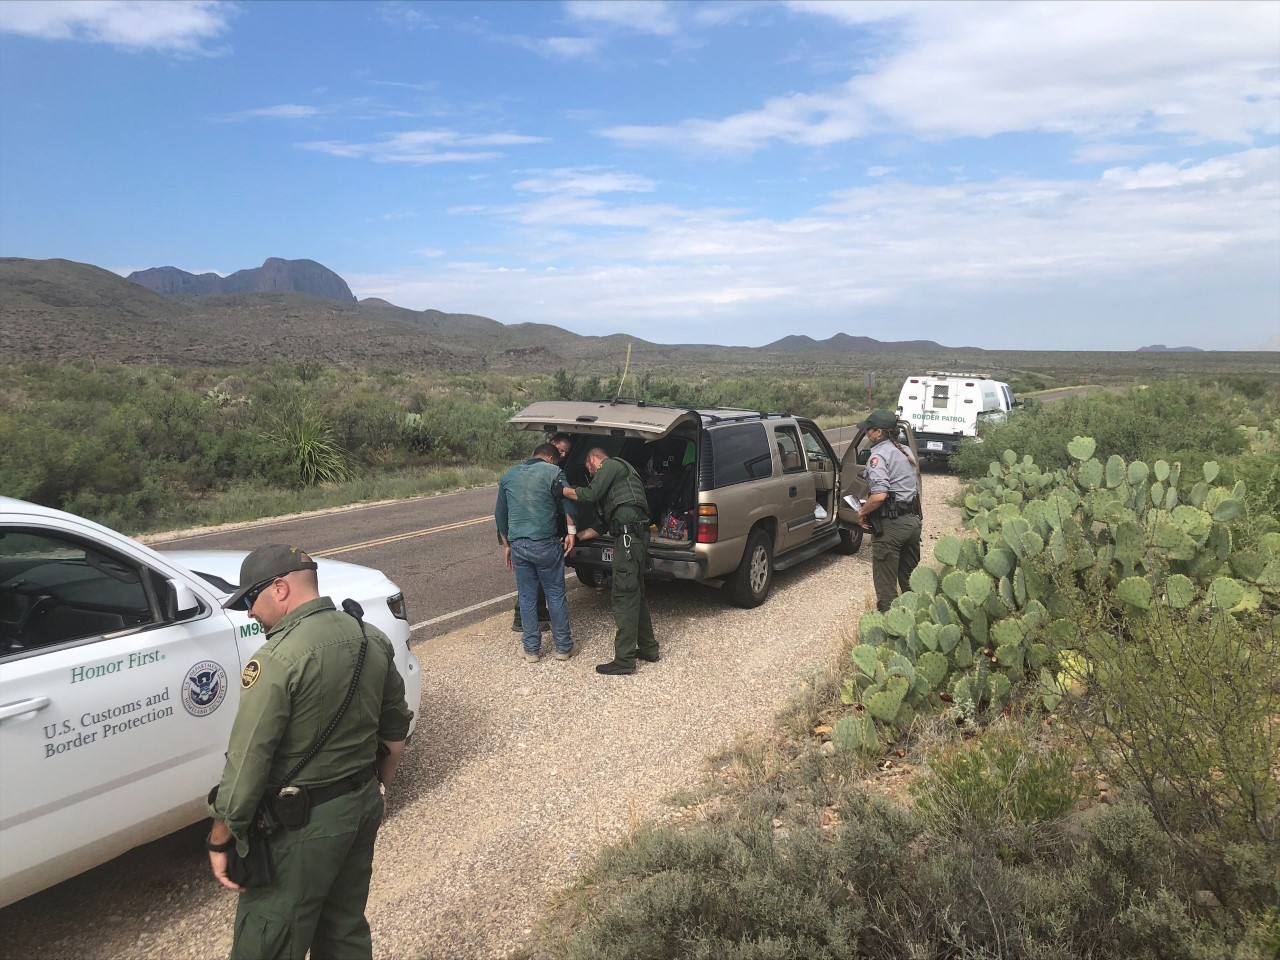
[401, 536]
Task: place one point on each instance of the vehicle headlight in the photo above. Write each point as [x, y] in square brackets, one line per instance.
[399, 609]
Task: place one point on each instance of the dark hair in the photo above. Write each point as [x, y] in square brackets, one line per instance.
[546, 450]
[561, 436]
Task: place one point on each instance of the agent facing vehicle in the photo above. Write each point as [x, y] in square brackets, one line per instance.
[530, 500]
[618, 494]
[302, 808]
[892, 510]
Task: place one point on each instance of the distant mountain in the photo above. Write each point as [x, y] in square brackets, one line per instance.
[298, 276]
[844, 343]
[1161, 348]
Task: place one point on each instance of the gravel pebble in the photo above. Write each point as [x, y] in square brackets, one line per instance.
[518, 775]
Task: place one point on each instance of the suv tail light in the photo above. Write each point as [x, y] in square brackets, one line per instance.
[708, 523]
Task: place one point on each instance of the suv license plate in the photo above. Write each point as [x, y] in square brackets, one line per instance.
[933, 445]
[606, 554]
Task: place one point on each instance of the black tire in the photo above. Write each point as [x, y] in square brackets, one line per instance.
[850, 541]
[751, 582]
[592, 577]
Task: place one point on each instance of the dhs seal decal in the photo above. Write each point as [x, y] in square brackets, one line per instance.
[205, 688]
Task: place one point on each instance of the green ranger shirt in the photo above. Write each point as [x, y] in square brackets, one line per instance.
[289, 694]
[617, 493]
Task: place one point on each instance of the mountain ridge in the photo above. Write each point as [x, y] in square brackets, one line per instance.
[275, 274]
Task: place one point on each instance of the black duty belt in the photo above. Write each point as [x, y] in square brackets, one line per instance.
[325, 792]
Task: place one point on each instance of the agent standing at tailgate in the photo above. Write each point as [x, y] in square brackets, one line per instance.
[297, 683]
[895, 495]
[617, 493]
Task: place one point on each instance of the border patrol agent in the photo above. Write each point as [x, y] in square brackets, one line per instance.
[290, 693]
[618, 494]
[895, 493]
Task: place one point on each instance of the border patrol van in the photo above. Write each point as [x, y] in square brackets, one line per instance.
[944, 408]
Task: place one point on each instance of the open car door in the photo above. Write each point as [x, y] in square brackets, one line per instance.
[853, 472]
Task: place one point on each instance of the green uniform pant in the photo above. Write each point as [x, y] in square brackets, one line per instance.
[322, 884]
[894, 554]
[630, 609]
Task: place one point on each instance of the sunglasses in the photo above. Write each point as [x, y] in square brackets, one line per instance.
[251, 596]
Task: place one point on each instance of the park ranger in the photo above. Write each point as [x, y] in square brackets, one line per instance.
[316, 740]
[894, 501]
[617, 492]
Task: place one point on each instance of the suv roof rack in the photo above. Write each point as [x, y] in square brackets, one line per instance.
[959, 376]
[728, 414]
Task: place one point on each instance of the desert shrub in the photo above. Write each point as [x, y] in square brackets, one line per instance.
[1179, 420]
[719, 893]
[1182, 711]
[305, 438]
[999, 779]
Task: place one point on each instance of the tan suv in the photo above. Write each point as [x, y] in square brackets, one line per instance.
[734, 494]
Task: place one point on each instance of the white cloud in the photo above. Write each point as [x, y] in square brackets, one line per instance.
[588, 181]
[1067, 264]
[169, 26]
[1110, 152]
[423, 147]
[643, 16]
[565, 48]
[879, 171]
[281, 111]
[1208, 71]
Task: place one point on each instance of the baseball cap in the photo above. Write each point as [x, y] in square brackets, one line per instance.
[267, 563]
[880, 419]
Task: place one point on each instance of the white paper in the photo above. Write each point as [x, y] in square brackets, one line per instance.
[854, 502]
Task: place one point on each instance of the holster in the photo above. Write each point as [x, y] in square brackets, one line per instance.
[255, 868]
[876, 522]
[292, 807]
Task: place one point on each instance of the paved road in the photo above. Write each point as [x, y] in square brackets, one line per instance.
[441, 550]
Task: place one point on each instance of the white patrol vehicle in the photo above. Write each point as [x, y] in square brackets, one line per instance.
[944, 408]
[119, 679]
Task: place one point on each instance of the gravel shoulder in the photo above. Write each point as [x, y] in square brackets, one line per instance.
[519, 773]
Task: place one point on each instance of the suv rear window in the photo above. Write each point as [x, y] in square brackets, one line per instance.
[740, 453]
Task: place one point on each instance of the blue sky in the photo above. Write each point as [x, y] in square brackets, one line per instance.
[1005, 175]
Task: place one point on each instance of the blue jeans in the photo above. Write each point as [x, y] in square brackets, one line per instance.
[541, 562]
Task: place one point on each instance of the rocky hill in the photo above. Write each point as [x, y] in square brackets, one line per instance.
[275, 275]
[843, 343]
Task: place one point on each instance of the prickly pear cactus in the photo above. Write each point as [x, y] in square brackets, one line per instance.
[999, 610]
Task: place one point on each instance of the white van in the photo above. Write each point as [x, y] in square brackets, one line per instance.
[944, 408]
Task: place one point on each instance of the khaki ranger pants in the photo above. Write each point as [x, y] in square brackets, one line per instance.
[630, 609]
[894, 554]
[322, 885]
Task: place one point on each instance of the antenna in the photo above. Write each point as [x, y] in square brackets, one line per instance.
[623, 378]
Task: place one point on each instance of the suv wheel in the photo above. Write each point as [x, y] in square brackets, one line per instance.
[850, 541]
[592, 577]
[754, 576]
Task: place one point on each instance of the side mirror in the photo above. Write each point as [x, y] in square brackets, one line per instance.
[180, 601]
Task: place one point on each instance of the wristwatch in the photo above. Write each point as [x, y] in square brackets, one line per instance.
[218, 847]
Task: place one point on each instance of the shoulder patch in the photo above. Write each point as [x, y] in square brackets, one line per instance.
[249, 675]
[873, 462]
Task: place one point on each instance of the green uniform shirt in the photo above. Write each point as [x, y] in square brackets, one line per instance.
[617, 493]
[289, 694]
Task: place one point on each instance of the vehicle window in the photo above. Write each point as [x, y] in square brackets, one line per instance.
[54, 589]
[1008, 396]
[740, 453]
[941, 395]
[788, 442]
[812, 445]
